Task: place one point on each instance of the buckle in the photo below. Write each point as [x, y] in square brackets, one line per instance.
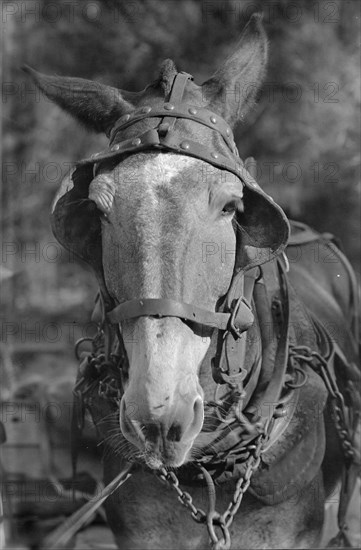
[163, 129]
[241, 317]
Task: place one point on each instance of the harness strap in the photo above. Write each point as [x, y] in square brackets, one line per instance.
[169, 142]
[174, 110]
[273, 391]
[197, 150]
[231, 348]
[175, 98]
[268, 328]
[178, 88]
[161, 307]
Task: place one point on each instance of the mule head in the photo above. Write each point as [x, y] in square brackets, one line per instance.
[163, 225]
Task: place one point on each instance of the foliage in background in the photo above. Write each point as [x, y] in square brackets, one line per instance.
[304, 132]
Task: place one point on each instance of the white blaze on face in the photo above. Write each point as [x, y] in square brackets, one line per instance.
[153, 203]
[163, 359]
[165, 354]
[160, 207]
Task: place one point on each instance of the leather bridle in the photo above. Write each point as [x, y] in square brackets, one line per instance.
[237, 316]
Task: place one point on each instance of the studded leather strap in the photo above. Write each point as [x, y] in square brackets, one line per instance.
[152, 140]
[179, 85]
[184, 110]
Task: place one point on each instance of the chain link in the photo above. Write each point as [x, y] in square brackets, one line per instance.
[183, 496]
[212, 518]
[321, 366]
[245, 480]
[97, 373]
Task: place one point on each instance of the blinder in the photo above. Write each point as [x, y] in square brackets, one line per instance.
[262, 229]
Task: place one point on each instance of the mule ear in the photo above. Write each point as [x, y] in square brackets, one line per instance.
[232, 90]
[95, 105]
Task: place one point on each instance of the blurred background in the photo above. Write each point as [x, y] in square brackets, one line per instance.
[304, 133]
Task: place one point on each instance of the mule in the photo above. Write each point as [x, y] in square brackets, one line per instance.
[195, 296]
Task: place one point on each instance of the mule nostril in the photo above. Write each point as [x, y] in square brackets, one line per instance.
[174, 432]
[152, 432]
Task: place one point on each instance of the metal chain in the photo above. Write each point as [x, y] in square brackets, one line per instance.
[321, 366]
[223, 521]
[245, 480]
[346, 432]
[212, 518]
[183, 496]
[97, 372]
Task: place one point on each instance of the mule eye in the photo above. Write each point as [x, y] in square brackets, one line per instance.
[229, 208]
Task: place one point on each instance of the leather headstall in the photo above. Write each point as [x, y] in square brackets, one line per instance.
[237, 315]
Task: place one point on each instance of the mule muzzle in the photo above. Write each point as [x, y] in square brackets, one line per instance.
[164, 435]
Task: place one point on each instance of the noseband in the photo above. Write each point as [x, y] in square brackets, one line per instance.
[166, 137]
